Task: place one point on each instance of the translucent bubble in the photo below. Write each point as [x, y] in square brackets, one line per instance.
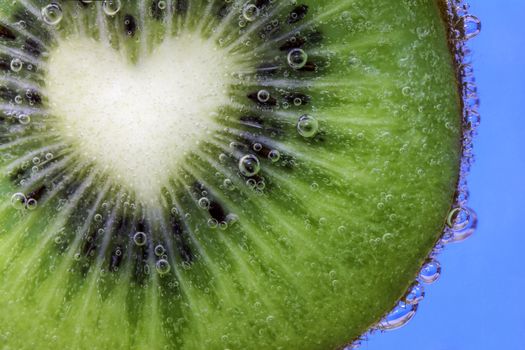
[430, 272]
[87, 1]
[263, 96]
[249, 165]
[297, 58]
[18, 200]
[163, 266]
[307, 126]
[398, 317]
[31, 204]
[204, 203]
[24, 119]
[223, 225]
[52, 14]
[111, 7]
[16, 65]
[49, 156]
[18, 99]
[159, 250]
[274, 155]
[213, 223]
[257, 147]
[415, 295]
[471, 25]
[228, 184]
[161, 5]
[297, 101]
[140, 239]
[250, 12]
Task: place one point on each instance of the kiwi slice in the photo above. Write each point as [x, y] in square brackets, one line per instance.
[220, 174]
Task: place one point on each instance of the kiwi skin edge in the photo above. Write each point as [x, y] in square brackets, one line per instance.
[447, 20]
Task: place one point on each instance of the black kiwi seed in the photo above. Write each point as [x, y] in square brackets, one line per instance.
[130, 26]
[6, 33]
[297, 14]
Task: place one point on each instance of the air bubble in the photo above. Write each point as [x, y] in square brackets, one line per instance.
[249, 165]
[18, 200]
[52, 14]
[111, 7]
[415, 295]
[463, 223]
[163, 266]
[263, 96]
[98, 217]
[257, 147]
[297, 58]
[430, 272]
[159, 250]
[31, 204]
[204, 203]
[18, 99]
[140, 239]
[398, 317]
[213, 223]
[307, 126]
[24, 119]
[274, 155]
[250, 12]
[16, 65]
[49, 156]
[471, 25]
[161, 5]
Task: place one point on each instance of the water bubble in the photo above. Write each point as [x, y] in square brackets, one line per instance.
[98, 217]
[223, 225]
[250, 12]
[16, 65]
[52, 14]
[213, 223]
[18, 200]
[140, 239]
[49, 156]
[31, 204]
[161, 5]
[415, 295]
[297, 58]
[471, 25]
[406, 91]
[163, 266]
[274, 155]
[24, 119]
[204, 203]
[18, 99]
[430, 272]
[297, 101]
[462, 222]
[398, 317]
[257, 147]
[87, 1]
[307, 126]
[263, 96]
[249, 165]
[111, 7]
[159, 250]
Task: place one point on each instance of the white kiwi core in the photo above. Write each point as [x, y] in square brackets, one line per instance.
[137, 121]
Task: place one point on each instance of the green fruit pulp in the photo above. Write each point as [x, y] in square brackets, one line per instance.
[313, 260]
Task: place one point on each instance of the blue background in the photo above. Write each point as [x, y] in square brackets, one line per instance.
[479, 302]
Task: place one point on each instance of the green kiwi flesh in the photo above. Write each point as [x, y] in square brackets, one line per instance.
[296, 221]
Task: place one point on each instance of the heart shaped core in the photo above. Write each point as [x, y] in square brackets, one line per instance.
[137, 120]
